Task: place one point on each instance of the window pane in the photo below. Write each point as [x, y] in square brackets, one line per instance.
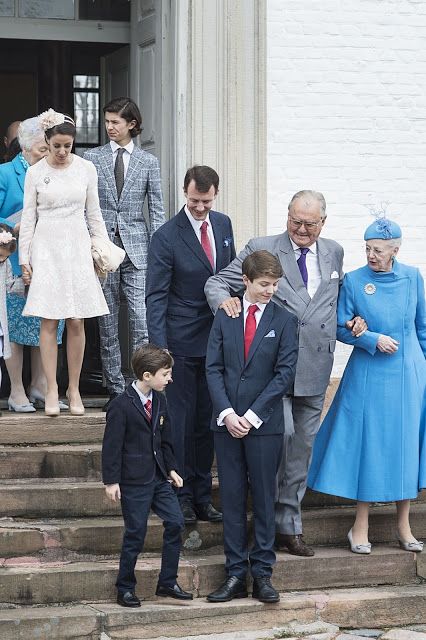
[105, 10]
[86, 82]
[61, 9]
[86, 111]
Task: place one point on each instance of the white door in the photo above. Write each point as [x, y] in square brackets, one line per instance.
[115, 77]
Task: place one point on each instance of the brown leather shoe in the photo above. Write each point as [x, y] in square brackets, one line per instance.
[293, 544]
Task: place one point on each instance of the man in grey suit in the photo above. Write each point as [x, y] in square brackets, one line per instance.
[127, 176]
[309, 289]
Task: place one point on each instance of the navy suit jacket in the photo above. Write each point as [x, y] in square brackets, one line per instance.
[178, 315]
[260, 382]
[133, 447]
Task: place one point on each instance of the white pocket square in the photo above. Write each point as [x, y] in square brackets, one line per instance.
[271, 334]
[334, 275]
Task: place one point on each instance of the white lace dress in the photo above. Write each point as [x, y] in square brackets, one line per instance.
[55, 241]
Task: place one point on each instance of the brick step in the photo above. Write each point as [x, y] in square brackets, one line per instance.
[56, 461]
[103, 535]
[36, 428]
[349, 608]
[47, 583]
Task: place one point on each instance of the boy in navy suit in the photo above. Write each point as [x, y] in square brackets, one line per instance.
[138, 468]
[250, 365]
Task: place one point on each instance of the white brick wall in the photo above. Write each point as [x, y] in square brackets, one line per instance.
[346, 107]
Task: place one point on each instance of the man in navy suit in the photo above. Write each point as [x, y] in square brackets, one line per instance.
[250, 365]
[195, 244]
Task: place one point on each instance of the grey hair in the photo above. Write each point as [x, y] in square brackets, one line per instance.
[29, 131]
[395, 242]
[310, 195]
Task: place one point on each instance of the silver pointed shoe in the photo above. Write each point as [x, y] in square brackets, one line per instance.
[37, 400]
[20, 408]
[363, 549]
[416, 547]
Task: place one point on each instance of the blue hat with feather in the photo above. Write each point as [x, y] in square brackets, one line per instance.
[382, 228]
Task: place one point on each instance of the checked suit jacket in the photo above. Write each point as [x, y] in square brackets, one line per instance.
[142, 181]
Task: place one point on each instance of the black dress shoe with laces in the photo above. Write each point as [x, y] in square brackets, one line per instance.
[128, 599]
[108, 402]
[173, 592]
[206, 511]
[188, 512]
[264, 591]
[233, 587]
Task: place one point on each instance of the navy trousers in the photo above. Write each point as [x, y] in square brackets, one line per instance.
[190, 410]
[242, 462]
[136, 502]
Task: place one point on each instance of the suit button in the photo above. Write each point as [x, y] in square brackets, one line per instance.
[155, 453]
[331, 304]
[322, 326]
[302, 324]
[285, 302]
[242, 378]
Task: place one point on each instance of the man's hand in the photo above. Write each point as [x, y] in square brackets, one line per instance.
[246, 423]
[357, 326]
[232, 307]
[113, 492]
[175, 479]
[26, 273]
[236, 426]
[386, 344]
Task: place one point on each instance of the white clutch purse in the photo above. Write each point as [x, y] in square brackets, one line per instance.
[106, 255]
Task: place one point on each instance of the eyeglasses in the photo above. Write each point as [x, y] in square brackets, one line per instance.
[308, 225]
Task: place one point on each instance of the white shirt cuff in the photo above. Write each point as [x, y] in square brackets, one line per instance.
[253, 418]
[222, 416]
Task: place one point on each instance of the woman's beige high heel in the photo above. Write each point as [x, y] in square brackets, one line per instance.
[51, 409]
[75, 409]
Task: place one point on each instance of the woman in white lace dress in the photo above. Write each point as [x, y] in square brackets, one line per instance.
[55, 252]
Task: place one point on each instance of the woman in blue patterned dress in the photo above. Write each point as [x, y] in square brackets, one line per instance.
[23, 331]
[371, 445]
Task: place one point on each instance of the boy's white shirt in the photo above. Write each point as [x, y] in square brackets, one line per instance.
[140, 394]
[249, 414]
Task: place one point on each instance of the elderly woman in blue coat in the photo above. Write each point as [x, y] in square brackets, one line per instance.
[371, 445]
[22, 330]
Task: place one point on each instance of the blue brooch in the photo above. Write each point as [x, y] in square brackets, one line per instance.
[227, 242]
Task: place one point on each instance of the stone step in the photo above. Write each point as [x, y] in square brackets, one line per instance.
[36, 428]
[57, 461]
[46, 583]
[93, 536]
[103, 535]
[377, 608]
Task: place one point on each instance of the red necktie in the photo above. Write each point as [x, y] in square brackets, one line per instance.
[148, 409]
[250, 329]
[205, 243]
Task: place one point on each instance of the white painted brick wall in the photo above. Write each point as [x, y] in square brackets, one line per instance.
[346, 92]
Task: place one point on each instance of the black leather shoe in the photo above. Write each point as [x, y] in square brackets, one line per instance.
[232, 588]
[110, 399]
[264, 591]
[293, 544]
[128, 599]
[173, 592]
[188, 512]
[206, 511]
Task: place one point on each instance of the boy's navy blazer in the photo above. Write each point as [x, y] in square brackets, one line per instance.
[178, 315]
[260, 382]
[133, 447]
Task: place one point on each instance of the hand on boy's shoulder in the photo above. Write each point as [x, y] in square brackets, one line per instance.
[232, 307]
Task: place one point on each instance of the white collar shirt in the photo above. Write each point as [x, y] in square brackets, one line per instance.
[312, 266]
[196, 225]
[257, 315]
[128, 150]
[142, 397]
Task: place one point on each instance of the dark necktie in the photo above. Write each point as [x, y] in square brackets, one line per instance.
[148, 409]
[302, 266]
[205, 243]
[119, 172]
[250, 329]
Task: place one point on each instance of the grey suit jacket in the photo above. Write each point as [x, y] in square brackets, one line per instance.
[317, 315]
[142, 180]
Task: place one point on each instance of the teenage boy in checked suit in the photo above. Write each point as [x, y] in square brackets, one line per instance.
[250, 365]
[138, 468]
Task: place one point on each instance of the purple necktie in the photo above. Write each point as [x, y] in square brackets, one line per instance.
[302, 266]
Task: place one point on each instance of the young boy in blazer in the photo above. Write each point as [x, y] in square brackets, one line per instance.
[138, 468]
[250, 365]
